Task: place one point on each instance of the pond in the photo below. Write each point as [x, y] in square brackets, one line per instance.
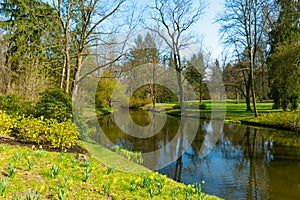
[236, 161]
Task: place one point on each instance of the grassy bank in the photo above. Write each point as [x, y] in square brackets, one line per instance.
[29, 172]
[237, 113]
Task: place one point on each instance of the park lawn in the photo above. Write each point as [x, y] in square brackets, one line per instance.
[28, 172]
[234, 112]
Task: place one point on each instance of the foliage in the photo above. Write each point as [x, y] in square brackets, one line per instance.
[284, 55]
[26, 28]
[136, 103]
[280, 119]
[39, 130]
[285, 76]
[6, 123]
[72, 186]
[15, 104]
[54, 104]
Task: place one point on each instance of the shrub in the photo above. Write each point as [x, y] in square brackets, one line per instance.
[46, 131]
[62, 135]
[14, 104]
[6, 123]
[54, 104]
[31, 129]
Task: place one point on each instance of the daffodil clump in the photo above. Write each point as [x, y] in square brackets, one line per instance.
[155, 184]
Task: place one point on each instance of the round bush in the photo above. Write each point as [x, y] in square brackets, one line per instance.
[54, 104]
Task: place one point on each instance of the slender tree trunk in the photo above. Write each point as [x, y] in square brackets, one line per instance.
[79, 66]
[248, 98]
[252, 78]
[200, 91]
[68, 60]
[179, 81]
[63, 74]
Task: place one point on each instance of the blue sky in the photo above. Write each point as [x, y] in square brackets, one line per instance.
[209, 29]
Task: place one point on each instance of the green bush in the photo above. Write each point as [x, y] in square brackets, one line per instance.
[54, 104]
[14, 104]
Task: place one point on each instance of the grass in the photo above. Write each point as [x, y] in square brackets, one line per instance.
[64, 175]
[234, 112]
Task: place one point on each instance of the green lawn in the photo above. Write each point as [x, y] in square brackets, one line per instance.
[30, 172]
[234, 112]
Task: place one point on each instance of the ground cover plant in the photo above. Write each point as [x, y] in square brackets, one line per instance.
[65, 175]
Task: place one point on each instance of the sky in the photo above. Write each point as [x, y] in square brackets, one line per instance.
[205, 30]
[209, 29]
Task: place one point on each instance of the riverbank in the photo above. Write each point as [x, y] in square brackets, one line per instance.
[236, 113]
[28, 170]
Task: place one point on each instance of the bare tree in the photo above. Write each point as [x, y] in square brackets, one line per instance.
[242, 25]
[172, 19]
[65, 11]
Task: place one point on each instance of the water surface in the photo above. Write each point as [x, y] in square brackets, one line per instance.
[245, 162]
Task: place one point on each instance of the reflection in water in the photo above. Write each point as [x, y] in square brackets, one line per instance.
[242, 165]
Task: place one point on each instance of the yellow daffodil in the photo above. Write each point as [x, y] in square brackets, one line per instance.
[71, 182]
[33, 147]
[203, 182]
[40, 146]
[42, 188]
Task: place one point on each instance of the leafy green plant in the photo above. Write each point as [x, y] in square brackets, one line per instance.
[3, 147]
[3, 185]
[134, 186]
[109, 170]
[106, 187]
[29, 164]
[74, 162]
[160, 183]
[61, 192]
[188, 191]
[11, 170]
[55, 170]
[41, 152]
[15, 104]
[33, 195]
[146, 180]
[62, 155]
[151, 192]
[17, 156]
[175, 191]
[87, 173]
[54, 104]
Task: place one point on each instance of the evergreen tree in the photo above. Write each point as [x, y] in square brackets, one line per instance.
[283, 60]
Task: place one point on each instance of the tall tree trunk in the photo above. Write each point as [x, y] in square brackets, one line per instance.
[200, 91]
[63, 74]
[179, 81]
[77, 75]
[252, 77]
[68, 60]
[248, 97]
